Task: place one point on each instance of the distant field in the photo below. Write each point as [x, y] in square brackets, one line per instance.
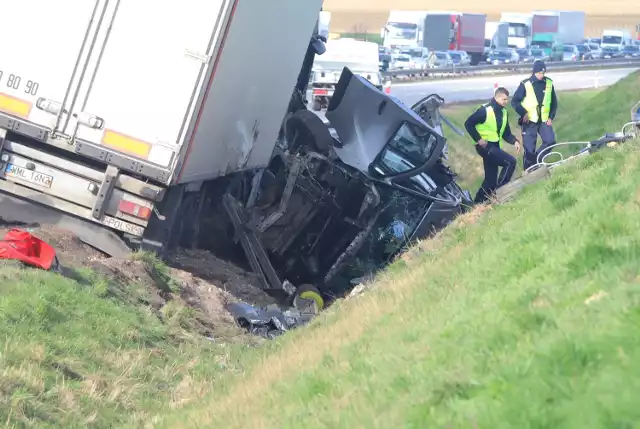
[360, 16]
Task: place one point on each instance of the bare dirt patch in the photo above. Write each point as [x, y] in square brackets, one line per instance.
[193, 293]
[243, 285]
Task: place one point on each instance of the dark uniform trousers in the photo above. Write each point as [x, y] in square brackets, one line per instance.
[492, 159]
[530, 133]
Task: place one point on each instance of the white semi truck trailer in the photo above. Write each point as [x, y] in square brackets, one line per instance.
[153, 124]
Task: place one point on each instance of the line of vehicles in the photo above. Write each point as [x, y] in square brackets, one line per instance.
[423, 40]
[516, 38]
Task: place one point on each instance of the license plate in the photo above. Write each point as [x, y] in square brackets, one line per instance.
[30, 176]
[123, 226]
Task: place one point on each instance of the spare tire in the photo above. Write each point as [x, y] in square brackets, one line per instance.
[305, 128]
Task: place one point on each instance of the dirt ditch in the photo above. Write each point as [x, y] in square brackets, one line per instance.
[194, 280]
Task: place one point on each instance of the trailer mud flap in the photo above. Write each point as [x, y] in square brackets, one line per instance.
[14, 210]
[251, 245]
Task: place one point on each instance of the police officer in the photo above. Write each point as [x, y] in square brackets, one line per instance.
[536, 103]
[487, 126]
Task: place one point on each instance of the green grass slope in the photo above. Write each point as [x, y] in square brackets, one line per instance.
[526, 316]
[583, 115]
[523, 315]
[94, 353]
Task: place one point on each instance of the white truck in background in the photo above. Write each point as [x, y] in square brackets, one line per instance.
[359, 56]
[614, 38]
[156, 124]
[404, 29]
[496, 36]
[519, 28]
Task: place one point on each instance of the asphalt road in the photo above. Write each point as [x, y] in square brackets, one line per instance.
[481, 88]
[473, 89]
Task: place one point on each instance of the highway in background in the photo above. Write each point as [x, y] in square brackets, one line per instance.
[481, 88]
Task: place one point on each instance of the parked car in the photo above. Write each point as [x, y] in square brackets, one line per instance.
[503, 56]
[443, 59]
[525, 55]
[402, 62]
[595, 52]
[611, 52]
[583, 52]
[418, 55]
[631, 51]
[570, 53]
[460, 58]
[538, 54]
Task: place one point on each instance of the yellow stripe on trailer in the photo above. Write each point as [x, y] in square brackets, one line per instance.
[14, 106]
[126, 144]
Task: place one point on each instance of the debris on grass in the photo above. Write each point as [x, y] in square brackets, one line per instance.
[197, 289]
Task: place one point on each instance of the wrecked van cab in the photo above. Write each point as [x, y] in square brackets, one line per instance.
[401, 151]
[334, 207]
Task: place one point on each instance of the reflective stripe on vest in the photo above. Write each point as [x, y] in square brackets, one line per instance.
[488, 130]
[530, 102]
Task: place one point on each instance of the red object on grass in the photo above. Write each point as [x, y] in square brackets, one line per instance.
[27, 248]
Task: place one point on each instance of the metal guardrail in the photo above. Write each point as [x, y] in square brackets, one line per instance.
[490, 69]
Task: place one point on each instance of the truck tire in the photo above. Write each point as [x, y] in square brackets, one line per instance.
[316, 105]
[305, 128]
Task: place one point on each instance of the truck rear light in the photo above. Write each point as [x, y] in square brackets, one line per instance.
[134, 209]
[320, 92]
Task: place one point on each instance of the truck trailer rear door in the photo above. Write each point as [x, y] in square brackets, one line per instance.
[43, 46]
[145, 78]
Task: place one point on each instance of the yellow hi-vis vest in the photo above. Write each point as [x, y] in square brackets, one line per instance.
[530, 102]
[488, 130]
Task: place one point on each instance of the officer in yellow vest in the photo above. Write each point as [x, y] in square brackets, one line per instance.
[487, 126]
[536, 103]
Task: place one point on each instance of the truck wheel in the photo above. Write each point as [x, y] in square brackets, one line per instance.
[305, 128]
[316, 105]
[308, 299]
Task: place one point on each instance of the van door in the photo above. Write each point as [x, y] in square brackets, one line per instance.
[44, 43]
[145, 76]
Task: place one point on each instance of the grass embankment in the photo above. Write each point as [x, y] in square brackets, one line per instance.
[523, 316]
[583, 116]
[100, 351]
